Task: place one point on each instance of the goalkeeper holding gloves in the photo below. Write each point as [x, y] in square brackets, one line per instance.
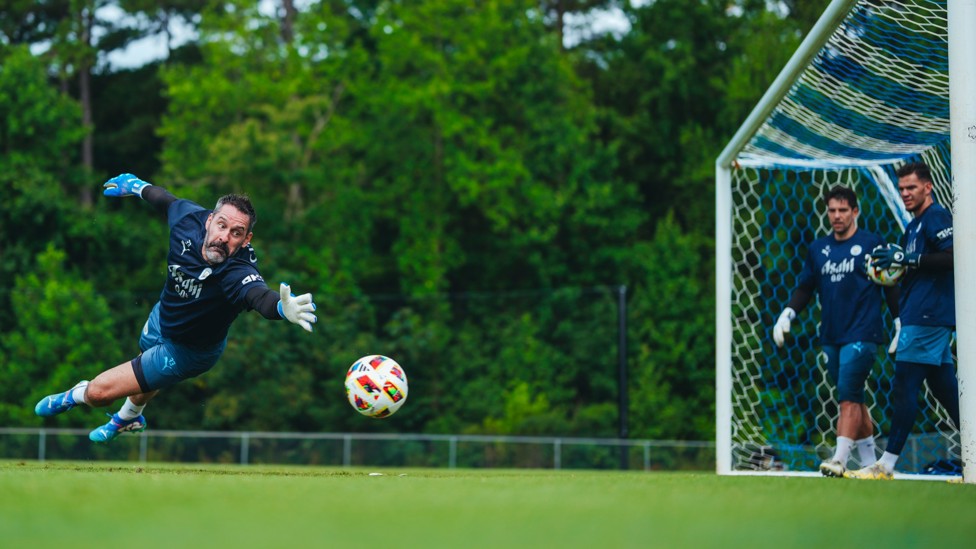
[893, 255]
[923, 352]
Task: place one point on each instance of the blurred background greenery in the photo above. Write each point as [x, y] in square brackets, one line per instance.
[464, 186]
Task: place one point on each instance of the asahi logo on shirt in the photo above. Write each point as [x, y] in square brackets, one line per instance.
[184, 285]
[836, 271]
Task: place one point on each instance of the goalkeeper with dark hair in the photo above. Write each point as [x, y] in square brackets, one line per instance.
[928, 314]
[212, 276]
[850, 321]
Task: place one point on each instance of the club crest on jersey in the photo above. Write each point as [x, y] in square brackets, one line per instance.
[856, 249]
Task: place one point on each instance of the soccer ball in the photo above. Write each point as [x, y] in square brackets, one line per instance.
[888, 276]
[376, 386]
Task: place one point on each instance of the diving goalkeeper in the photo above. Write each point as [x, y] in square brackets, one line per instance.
[212, 276]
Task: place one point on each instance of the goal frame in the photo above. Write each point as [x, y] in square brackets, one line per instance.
[962, 100]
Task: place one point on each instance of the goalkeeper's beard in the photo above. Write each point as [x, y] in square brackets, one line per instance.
[215, 254]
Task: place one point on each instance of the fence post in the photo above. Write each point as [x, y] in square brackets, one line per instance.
[143, 446]
[245, 444]
[622, 371]
[41, 445]
[452, 453]
[346, 450]
[556, 450]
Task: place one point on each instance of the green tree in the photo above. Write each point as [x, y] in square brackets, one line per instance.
[672, 363]
[34, 136]
[458, 191]
[63, 333]
[445, 162]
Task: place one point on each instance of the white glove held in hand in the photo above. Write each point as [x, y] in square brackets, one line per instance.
[297, 309]
[894, 339]
[782, 326]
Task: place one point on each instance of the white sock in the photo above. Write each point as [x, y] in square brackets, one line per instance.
[865, 451]
[78, 393]
[888, 461]
[843, 450]
[130, 410]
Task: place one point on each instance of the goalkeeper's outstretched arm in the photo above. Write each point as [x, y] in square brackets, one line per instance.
[159, 198]
[127, 184]
[283, 304]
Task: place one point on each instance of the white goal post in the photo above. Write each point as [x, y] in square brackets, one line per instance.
[868, 90]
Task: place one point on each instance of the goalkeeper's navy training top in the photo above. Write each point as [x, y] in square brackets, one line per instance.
[850, 304]
[928, 296]
[200, 301]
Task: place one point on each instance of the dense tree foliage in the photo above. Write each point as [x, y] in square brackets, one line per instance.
[460, 185]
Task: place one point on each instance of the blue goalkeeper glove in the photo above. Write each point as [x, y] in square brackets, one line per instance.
[893, 256]
[125, 184]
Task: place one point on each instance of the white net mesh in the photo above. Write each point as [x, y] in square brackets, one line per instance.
[874, 97]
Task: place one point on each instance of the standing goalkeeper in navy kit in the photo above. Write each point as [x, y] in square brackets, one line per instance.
[212, 277]
[850, 321]
[928, 314]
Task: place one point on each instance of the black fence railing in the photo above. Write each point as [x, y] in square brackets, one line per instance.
[361, 449]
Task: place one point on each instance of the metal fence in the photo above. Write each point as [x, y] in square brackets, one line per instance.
[361, 449]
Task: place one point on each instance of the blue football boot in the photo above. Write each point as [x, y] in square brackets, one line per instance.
[117, 426]
[59, 403]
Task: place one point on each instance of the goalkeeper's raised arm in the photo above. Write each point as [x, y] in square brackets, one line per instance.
[212, 276]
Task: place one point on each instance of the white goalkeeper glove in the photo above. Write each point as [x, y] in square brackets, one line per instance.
[894, 340]
[297, 309]
[782, 326]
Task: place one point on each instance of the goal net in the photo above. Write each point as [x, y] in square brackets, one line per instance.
[867, 91]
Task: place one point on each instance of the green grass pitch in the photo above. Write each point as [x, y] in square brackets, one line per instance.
[106, 505]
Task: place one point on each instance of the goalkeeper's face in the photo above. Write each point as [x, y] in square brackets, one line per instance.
[843, 218]
[915, 193]
[226, 233]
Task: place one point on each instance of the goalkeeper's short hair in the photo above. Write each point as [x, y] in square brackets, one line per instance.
[920, 169]
[243, 203]
[840, 192]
